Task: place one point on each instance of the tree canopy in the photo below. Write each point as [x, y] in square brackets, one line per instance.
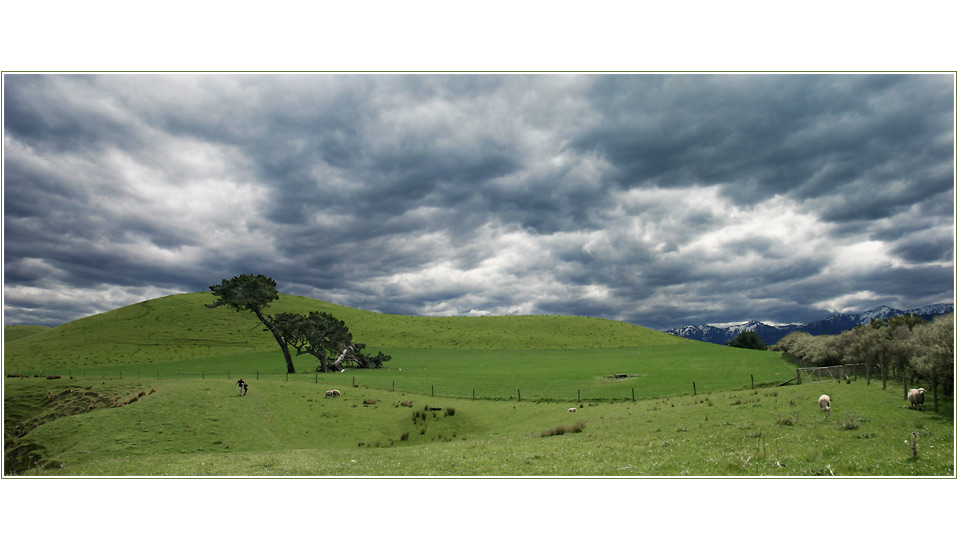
[252, 293]
[318, 333]
[748, 340]
[323, 336]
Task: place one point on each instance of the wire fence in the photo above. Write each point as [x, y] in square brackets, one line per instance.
[422, 387]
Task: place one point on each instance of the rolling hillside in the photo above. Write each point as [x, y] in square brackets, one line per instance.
[462, 396]
[179, 327]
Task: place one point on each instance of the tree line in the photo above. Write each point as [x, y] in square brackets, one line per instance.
[904, 348]
[319, 334]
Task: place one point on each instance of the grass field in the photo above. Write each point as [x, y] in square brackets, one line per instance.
[149, 390]
[203, 428]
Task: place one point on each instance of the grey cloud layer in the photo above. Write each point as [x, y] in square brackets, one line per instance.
[657, 199]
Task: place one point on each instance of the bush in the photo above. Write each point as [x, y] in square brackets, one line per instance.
[747, 340]
[450, 411]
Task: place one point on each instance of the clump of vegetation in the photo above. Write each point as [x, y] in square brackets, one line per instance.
[748, 340]
[406, 404]
[787, 420]
[560, 430]
[369, 401]
[848, 422]
[450, 411]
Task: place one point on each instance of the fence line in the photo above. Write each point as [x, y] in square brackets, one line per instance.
[426, 388]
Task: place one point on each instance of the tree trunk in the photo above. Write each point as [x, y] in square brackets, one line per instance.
[339, 360]
[934, 392]
[279, 340]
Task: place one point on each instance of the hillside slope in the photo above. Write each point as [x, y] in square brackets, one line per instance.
[180, 327]
[16, 332]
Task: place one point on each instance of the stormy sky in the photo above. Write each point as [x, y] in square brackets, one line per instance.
[658, 199]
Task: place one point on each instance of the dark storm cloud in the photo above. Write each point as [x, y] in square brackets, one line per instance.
[658, 199]
[759, 135]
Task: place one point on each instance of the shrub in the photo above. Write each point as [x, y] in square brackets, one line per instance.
[404, 436]
[450, 411]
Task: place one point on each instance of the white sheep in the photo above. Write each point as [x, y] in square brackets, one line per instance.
[825, 403]
[571, 409]
[332, 393]
[916, 399]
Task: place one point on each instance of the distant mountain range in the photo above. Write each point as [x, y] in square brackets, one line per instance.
[834, 324]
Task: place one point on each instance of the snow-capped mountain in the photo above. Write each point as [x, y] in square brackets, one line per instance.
[834, 324]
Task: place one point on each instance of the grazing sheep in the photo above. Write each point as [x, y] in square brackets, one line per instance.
[571, 409]
[825, 403]
[332, 393]
[916, 399]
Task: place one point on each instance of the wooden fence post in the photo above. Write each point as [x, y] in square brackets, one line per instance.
[693, 389]
[752, 376]
[798, 377]
[579, 395]
[633, 395]
[257, 375]
[519, 393]
[434, 390]
[474, 394]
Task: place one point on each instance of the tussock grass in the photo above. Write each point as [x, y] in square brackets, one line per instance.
[561, 430]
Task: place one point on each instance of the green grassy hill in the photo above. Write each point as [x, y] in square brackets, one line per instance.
[16, 332]
[179, 327]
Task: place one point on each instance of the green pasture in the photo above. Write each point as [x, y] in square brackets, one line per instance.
[558, 375]
[204, 428]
